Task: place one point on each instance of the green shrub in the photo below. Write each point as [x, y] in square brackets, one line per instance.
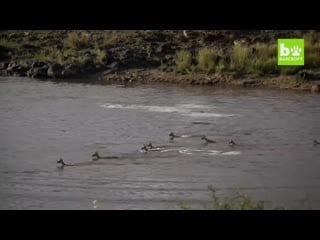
[77, 40]
[183, 61]
[9, 44]
[240, 57]
[258, 59]
[311, 51]
[207, 59]
[240, 202]
[51, 55]
[100, 56]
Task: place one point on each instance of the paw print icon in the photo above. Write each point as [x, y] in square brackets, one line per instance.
[295, 51]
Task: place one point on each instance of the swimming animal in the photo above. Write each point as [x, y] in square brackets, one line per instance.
[144, 148]
[97, 156]
[208, 140]
[172, 136]
[153, 148]
[232, 143]
[63, 164]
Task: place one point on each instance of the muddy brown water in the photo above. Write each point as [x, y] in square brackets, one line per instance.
[275, 159]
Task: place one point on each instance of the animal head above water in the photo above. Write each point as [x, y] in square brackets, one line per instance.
[60, 161]
[96, 154]
[144, 148]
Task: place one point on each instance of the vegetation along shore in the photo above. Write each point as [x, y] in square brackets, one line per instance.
[195, 57]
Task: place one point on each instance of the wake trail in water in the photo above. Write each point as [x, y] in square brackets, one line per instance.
[189, 110]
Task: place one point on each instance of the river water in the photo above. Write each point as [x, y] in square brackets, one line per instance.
[274, 160]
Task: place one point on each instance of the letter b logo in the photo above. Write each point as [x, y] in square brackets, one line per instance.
[284, 51]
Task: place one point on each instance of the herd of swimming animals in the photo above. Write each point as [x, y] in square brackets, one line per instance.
[149, 147]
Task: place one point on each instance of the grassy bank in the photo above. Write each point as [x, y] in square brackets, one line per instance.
[239, 200]
[225, 54]
[243, 58]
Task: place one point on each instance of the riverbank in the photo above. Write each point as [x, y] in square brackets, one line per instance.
[153, 76]
[223, 57]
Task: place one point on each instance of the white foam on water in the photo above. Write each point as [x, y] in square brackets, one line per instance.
[214, 151]
[231, 153]
[163, 109]
[184, 109]
[156, 149]
[169, 150]
[111, 105]
[167, 109]
[185, 136]
[194, 106]
[185, 152]
[203, 114]
[208, 152]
